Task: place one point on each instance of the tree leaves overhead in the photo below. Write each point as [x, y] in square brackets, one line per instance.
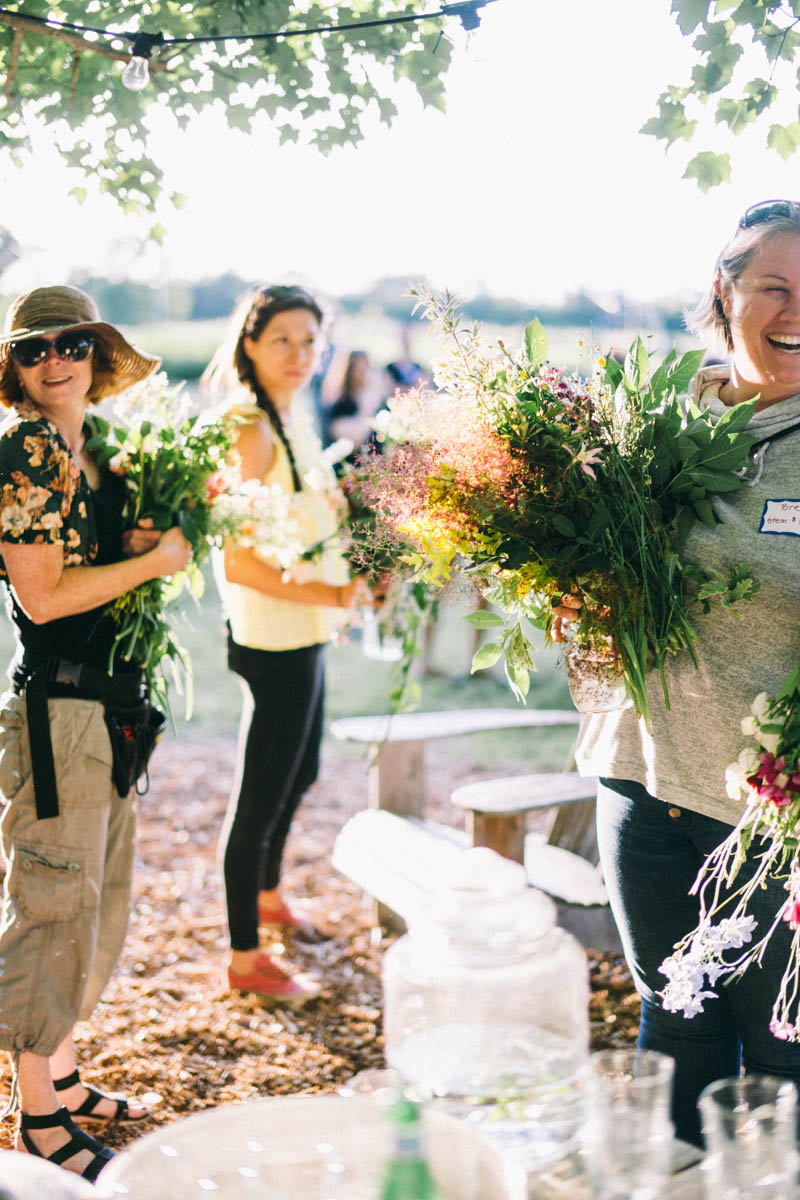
[320, 88]
[720, 30]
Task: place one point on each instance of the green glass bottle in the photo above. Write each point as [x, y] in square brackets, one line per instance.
[407, 1175]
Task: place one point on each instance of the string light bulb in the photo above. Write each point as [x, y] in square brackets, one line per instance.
[136, 74]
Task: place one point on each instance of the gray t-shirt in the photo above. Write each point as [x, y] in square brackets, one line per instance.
[683, 761]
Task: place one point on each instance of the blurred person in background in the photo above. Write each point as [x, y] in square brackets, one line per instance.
[353, 411]
[405, 372]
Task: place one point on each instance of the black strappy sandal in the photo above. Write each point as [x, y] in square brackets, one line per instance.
[86, 1111]
[79, 1140]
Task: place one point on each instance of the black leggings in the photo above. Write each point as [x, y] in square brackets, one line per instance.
[277, 759]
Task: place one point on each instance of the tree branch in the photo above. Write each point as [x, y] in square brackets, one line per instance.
[27, 25]
[12, 63]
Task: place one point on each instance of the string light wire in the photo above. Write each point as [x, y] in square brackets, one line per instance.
[143, 44]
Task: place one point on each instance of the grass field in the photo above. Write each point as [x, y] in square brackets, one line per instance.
[359, 685]
[187, 346]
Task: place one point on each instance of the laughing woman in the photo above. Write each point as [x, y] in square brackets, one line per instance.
[661, 805]
[67, 835]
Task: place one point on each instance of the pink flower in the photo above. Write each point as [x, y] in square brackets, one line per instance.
[791, 914]
[782, 1029]
[215, 485]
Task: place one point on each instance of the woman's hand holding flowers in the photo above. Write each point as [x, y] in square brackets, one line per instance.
[173, 552]
[357, 594]
[140, 539]
[566, 611]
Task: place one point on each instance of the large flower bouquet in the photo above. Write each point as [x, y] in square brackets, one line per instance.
[171, 459]
[767, 776]
[537, 482]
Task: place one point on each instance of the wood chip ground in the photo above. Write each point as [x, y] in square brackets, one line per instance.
[168, 1027]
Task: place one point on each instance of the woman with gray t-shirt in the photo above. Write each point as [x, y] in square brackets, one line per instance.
[661, 804]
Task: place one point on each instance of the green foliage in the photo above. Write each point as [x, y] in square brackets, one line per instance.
[536, 483]
[167, 461]
[718, 29]
[323, 86]
[535, 344]
[709, 170]
[715, 589]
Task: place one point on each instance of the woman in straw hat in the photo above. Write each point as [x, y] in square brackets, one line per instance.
[278, 622]
[67, 834]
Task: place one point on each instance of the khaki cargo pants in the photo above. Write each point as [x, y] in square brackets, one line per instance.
[68, 878]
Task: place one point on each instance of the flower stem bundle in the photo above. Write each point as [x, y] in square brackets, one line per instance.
[169, 457]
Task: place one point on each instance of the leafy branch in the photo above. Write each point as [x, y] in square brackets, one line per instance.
[324, 86]
[717, 29]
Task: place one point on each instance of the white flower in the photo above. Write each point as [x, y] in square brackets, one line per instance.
[316, 480]
[155, 400]
[690, 1003]
[737, 774]
[684, 992]
[770, 741]
[257, 515]
[683, 971]
[734, 931]
[715, 971]
[338, 450]
[700, 963]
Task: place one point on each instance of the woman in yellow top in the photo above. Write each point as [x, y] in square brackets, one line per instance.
[278, 623]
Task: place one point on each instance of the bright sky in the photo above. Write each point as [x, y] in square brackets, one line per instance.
[535, 183]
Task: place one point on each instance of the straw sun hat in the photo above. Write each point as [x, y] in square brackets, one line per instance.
[49, 310]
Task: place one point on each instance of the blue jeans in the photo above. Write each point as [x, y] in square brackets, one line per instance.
[650, 860]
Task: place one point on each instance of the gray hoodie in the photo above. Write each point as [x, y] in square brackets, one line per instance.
[683, 761]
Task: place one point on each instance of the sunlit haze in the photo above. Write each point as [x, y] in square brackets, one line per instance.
[534, 184]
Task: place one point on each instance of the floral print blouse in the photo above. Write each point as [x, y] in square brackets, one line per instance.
[43, 493]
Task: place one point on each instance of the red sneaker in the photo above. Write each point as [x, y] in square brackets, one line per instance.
[282, 916]
[269, 980]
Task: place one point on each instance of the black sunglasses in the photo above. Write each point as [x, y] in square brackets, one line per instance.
[74, 345]
[770, 210]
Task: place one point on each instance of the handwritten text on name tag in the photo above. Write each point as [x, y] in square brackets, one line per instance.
[781, 516]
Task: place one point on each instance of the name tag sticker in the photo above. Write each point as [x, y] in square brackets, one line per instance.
[781, 516]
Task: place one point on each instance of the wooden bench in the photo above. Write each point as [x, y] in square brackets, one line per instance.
[562, 859]
[396, 860]
[396, 855]
[397, 741]
[495, 811]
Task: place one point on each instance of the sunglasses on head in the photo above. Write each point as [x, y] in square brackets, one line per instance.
[74, 345]
[769, 210]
